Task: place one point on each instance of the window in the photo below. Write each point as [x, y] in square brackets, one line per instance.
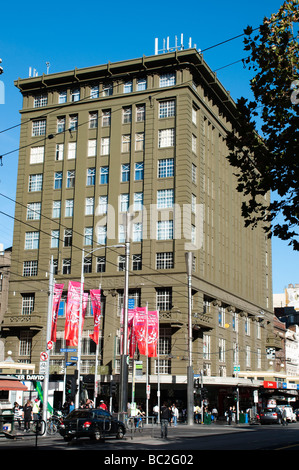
[137, 232]
[137, 263]
[221, 350]
[165, 168]
[92, 148]
[138, 171]
[31, 240]
[166, 109]
[30, 268]
[121, 234]
[87, 264]
[126, 143]
[193, 203]
[167, 79]
[94, 91]
[25, 345]
[73, 122]
[104, 175]
[165, 198]
[60, 124]
[54, 238]
[62, 96]
[127, 115]
[66, 266]
[88, 236]
[106, 118]
[75, 94]
[141, 84]
[35, 183]
[103, 205]
[39, 127]
[128, 86]
[93, 120]
[121, 263]
[193, 173]
[164, 260]
[27, 304]
[58, 180]
[56, 209]
[138, 202]
[124, 202]
[59, 152]
[139, 141]
[68, 237]
[72, 147]
[105, 145]
[194, 143]
[101, 264]
[194, 115]
[70, 179]
[69, 208]
[34, 210]
[166, 138]
[39, 101]
[165, 230]
[107, 89]
[164, 298]
[37, 155]
[140, 113]
[89, 206]
[101, 234]
[221, 316]
[90, 178]
[125, 173]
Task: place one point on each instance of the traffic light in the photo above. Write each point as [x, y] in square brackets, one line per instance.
[236, 395]
[204, 393]
[68, 388]
[113, 388]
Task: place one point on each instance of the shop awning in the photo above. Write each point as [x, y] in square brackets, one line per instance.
[6, 384]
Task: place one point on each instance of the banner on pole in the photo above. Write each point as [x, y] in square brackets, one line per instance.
[73, 312]
[58, 288]
[95, 296]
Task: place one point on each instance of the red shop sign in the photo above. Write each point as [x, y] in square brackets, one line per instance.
[270, 384]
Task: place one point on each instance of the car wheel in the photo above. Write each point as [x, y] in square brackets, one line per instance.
[120, 433]
[98, 435]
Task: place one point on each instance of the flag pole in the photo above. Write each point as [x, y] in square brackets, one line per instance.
[80, 334]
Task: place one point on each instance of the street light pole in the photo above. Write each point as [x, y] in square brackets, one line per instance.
[123, 392]
[190, 373]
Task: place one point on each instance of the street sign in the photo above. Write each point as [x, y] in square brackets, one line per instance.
[74, 358]
[43, 356]
[68, 350]
[50, 344]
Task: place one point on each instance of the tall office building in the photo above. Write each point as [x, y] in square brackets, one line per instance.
[145, 136]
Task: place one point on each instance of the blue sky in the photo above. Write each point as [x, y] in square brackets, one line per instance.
[74, 34]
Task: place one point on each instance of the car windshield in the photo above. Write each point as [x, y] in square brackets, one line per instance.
[79, 414]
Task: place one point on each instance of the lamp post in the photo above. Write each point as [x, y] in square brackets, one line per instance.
[81, 315]
[190, 373]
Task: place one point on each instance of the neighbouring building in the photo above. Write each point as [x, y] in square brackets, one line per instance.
[5, 261]
[146, 135]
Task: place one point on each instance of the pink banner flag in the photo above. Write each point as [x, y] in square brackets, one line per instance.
[95, 296]
[58, 288]
[140, 329]
[152, 333]
[73, 312]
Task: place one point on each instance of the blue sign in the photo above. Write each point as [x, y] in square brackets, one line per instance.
[131, 303]
[74, 358]
[68, 350]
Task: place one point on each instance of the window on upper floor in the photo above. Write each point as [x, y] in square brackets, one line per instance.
[167, 79]
[40, 100]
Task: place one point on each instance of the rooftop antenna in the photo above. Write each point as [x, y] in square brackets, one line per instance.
[48, 66]
[168, 48]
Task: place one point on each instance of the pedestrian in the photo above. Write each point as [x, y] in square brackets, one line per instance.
[155, 413]
[215, 413]
[27, 415]
[71, 407]
[17, 414]
[103, 405]
[165, 419]
[175, 415]
[35, 409]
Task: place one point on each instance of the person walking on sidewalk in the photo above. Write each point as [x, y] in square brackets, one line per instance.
[175, 415]
[165, 419]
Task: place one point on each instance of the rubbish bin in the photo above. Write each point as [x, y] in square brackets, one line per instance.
[207, 419]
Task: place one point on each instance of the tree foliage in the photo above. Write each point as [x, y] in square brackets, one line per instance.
[269, 161]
